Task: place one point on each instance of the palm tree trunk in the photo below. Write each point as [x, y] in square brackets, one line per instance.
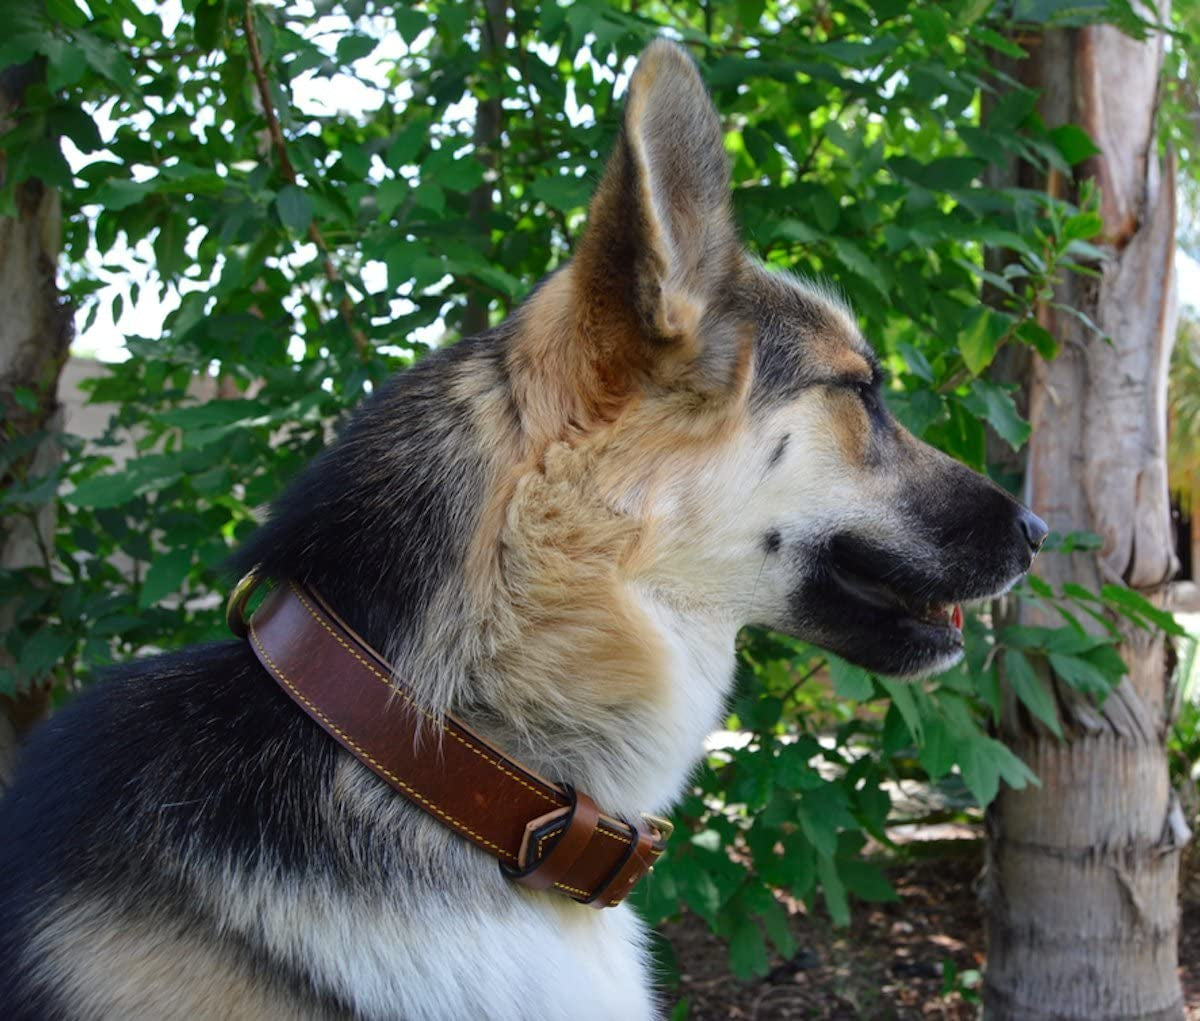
[1080, 888]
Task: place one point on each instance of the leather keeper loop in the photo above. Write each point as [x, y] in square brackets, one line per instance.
[548, 869]
[644, 851]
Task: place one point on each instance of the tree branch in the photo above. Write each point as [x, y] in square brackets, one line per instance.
[279, 145]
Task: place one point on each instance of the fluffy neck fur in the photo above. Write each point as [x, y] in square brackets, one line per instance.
[496, 571]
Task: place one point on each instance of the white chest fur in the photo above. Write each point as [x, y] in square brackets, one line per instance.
[700, 662]
[537, 957]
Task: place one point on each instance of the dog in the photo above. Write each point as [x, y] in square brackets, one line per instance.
[554, 531]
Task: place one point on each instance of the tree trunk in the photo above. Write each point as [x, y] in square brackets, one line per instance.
[489, 121]
[35, 334]
[1080, 888]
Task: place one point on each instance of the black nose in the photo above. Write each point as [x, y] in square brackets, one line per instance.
[1034, 528]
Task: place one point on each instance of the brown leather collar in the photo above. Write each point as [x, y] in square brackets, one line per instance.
[545, 835]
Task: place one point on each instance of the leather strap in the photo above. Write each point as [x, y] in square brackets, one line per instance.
[545, 836]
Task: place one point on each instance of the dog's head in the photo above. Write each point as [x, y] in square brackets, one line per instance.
[739, 419]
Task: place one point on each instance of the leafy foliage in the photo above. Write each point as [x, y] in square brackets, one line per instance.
[312, 251]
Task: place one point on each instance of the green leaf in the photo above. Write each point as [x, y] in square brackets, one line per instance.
[43, 160]
[917, 363]
[565, 194]
[1135, 604]
[775, 921]
[946, 174]
[25, 397]
[977, 341]
[874, 804]
[429, 196]
[165, 576]
[410, 22]
[905, 702]
[821, 812]
[1074, 143]
[993, 404]
[793, 771]
[295, 208]
[1073, 541]
[42, 652]
[747, 951]
[109, 490]
[833, 890]
[795, 230]
[67, 65]
[355, 47]
[390, 194]
[407, 145]
[1083, 674]
[1011, 110]
[66, 12]
[210, 23]
[699, 890]
[865, 881]
[984, 762]
[210, 413]
[1082, 226]
[1068, 640]
[104, 58]
[1039, 338]
[462, 175]
[826, 210]
[849, 681]
[1031, 689]
[937, 750]
[991, 38]
[861, 264]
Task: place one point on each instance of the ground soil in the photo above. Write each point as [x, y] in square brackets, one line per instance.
[890, 964]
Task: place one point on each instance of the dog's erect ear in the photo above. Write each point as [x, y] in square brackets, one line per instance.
[660, 242]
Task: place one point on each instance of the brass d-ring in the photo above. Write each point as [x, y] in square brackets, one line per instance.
[235, 608]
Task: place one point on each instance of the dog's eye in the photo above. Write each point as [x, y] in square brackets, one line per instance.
[865, 390]
[868, 393]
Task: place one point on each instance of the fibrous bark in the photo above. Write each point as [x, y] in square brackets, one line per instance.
[1080, 890]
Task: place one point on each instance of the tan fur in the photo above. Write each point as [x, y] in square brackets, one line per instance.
[848, 422]
[108, 965]
[564, 528]
[562, 603]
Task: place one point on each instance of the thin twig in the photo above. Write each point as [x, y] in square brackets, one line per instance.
[821, 663]
[289, 174]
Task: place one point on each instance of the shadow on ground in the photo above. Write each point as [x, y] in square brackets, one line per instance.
[892, 963]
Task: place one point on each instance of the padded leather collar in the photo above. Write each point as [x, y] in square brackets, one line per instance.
[545, 835]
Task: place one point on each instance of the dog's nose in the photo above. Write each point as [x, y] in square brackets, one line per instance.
[1033, 528]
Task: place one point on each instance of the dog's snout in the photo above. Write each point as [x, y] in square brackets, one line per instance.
[1033, 528]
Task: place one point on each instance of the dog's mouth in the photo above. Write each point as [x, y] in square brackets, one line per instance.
[893, 612]
[853, 577]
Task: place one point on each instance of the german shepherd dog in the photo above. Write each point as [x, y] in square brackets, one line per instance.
[554, 530]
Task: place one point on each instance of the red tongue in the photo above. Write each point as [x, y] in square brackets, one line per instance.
[956, 617]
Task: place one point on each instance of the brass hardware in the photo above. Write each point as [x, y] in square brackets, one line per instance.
[235, 608]
[664, 826]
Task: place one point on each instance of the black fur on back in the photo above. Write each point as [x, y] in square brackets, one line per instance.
[198, 756]
[380, 521]
[176, 759]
